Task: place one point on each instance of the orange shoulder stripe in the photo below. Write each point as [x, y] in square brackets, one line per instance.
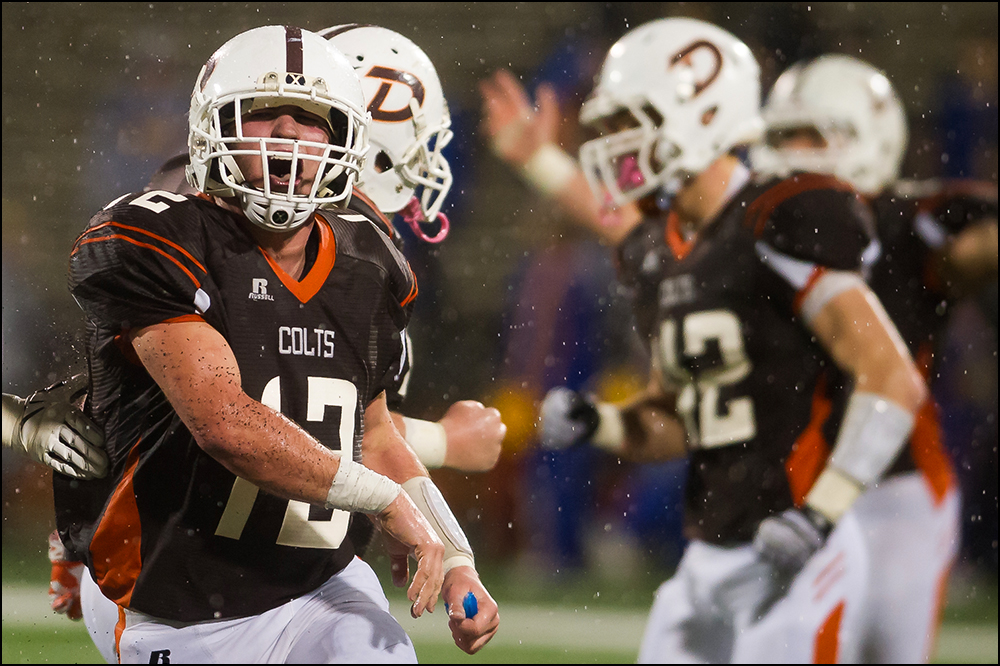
[129, 239]
[146, 233]
[761, 208]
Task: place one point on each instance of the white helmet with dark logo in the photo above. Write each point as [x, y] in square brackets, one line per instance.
[267, 67]
[672, 96]
[411, 124]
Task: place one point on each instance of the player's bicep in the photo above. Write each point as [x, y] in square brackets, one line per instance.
[856, 332]
[196, 369]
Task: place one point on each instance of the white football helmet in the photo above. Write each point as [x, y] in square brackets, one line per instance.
[673, 95]
[855, 110]
[268, 67]
[411, 124]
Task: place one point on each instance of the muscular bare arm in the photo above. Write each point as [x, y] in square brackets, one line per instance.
[525, 138]
[197, 371]
[856, 331]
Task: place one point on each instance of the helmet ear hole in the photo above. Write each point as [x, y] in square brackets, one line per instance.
[383, 162]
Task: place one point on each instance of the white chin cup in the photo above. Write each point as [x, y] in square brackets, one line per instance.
[274, 215]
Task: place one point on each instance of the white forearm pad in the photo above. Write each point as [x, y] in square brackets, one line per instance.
[610, 434]
[357, 488]
[428, 440]
[550, 168]
[430, 501]
[13, 408]
[872, 434]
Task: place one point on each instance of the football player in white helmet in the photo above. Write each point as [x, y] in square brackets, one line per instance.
[411, 124]
[468, 437]
[278, 132]
[737, 297]
[839, 115]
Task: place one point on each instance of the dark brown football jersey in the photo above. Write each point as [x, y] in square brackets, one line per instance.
[171, 532]
[915, 221]
[760, 398]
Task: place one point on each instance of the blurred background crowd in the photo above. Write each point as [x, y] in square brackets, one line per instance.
[515, 301]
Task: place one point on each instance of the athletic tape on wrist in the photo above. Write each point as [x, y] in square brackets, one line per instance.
[610, 433]
[430, 501]
[428, 440]
[833, 494]
[549, 169]
[357, 488]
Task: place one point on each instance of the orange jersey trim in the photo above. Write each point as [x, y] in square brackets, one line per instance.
[145, 233]
[927, 441]
[800, 296]
[810, 450]
[680, 247]
[115, 548]
[310, 285]
[759, 211]
[413, 290]
[127, 239]
[119, 630]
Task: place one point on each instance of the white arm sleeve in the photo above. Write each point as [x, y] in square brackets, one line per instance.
[430, 501]
[872, 434]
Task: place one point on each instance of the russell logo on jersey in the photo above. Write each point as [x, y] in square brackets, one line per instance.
[259, 291]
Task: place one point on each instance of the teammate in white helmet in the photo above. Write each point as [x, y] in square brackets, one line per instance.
[839, 115]
[774, 368]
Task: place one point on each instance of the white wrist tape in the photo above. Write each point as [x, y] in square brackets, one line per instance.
[610, 434]
[357, 488]
[13, 410]
[430, 501]
[550, 169]
[428, 440]
[833, 494]
[872, 434]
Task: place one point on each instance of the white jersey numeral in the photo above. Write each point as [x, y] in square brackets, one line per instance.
[296, 528]
[709, 423]
[146, 200]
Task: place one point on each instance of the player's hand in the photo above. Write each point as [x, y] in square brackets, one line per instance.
[785, 543]
[470, 634]
[515, 128]
[409, 532]
[567, 418]
[475, 434]
[57, 434]
[64, 583]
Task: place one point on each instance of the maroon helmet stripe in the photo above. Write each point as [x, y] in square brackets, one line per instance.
[293, 50]
[330, 33]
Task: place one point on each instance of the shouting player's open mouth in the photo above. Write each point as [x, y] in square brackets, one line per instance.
[279, 169]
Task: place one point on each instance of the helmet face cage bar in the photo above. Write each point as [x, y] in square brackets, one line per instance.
[603, 158]
[424, 165]
[342, 156]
